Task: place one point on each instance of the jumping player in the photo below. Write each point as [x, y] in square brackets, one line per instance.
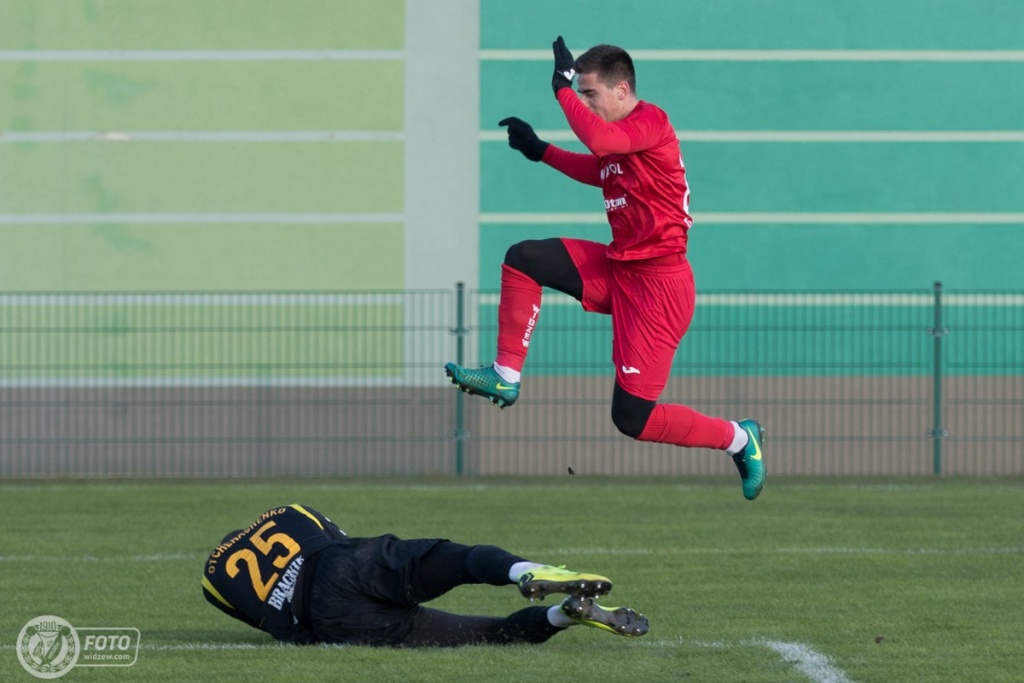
[642, 278]
[294, 574]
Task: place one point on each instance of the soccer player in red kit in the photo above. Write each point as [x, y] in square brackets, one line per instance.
[642, 278]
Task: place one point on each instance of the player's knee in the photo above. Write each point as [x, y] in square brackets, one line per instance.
[520, 255]
[630, 413]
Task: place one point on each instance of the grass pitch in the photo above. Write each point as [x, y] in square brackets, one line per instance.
[818, 580]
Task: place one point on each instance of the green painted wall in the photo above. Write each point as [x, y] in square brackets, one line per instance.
[202, 96]
[354, 193]
[55, 194]
[755, 24]
[732, 94]
[201, 24]
[953, 204]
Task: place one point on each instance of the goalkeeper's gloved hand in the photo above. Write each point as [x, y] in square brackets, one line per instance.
[565, 66]
[522, 137]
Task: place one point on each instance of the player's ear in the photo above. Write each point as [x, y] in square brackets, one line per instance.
[622, 91]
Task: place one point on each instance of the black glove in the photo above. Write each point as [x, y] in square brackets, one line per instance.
[522, 137]
[565, 66]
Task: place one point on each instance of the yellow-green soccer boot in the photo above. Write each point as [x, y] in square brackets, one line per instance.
[542, 581]
[622, 621]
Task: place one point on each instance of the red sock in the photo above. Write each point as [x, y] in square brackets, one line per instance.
[683, 426]
[518, 310]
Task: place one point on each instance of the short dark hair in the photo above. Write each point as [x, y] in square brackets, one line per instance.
[612, 65]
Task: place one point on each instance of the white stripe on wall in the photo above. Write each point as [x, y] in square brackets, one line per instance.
[205, 299]
[802, 135]
[197, 218]
[587, 218]
[781, 136]
[550, 298]
[784, 136]
[206, 136]
[199, 55]
[512, 55]
[886, 299]
[817, 218]
[784, 55]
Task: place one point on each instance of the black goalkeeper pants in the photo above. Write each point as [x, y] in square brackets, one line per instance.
[369, 592]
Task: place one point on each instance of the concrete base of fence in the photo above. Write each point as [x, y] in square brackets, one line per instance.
[866, 426]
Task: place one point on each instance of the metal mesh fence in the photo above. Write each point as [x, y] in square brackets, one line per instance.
[350, 384]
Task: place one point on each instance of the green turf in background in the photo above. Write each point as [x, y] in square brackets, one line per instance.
[202, 25]
[909, 580]
[200, 257]
[203, 96]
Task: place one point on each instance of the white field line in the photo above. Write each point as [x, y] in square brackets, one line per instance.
[198, 647]
[772, 218]
[205, 136]
[783, 55]
[585, 551]
[786, 136]
[811, 663]
[156, 557]
[191, 647]
[816, 666]
[199, 55]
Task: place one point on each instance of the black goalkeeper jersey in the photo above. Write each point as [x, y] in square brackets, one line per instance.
[251, 575]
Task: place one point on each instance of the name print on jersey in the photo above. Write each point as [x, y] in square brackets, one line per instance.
[285, 588]
[611, 169]
[615, 204]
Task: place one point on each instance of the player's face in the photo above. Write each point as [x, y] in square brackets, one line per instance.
[611, 103]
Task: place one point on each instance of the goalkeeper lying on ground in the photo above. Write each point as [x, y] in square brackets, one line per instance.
[294, 574]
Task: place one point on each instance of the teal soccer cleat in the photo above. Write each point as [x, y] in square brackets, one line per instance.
[750, 461]
[483, 382]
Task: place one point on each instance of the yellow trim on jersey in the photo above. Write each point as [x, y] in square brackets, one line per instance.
[213, 591]
[308, 514]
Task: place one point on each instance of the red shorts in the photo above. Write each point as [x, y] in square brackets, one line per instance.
[651, 304]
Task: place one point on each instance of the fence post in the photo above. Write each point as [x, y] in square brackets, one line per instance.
[460, 342]
[937, 331]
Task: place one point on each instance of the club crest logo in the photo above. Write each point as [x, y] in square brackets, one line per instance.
[48, 647]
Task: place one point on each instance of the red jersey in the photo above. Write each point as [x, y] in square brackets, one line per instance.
[637, 162]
